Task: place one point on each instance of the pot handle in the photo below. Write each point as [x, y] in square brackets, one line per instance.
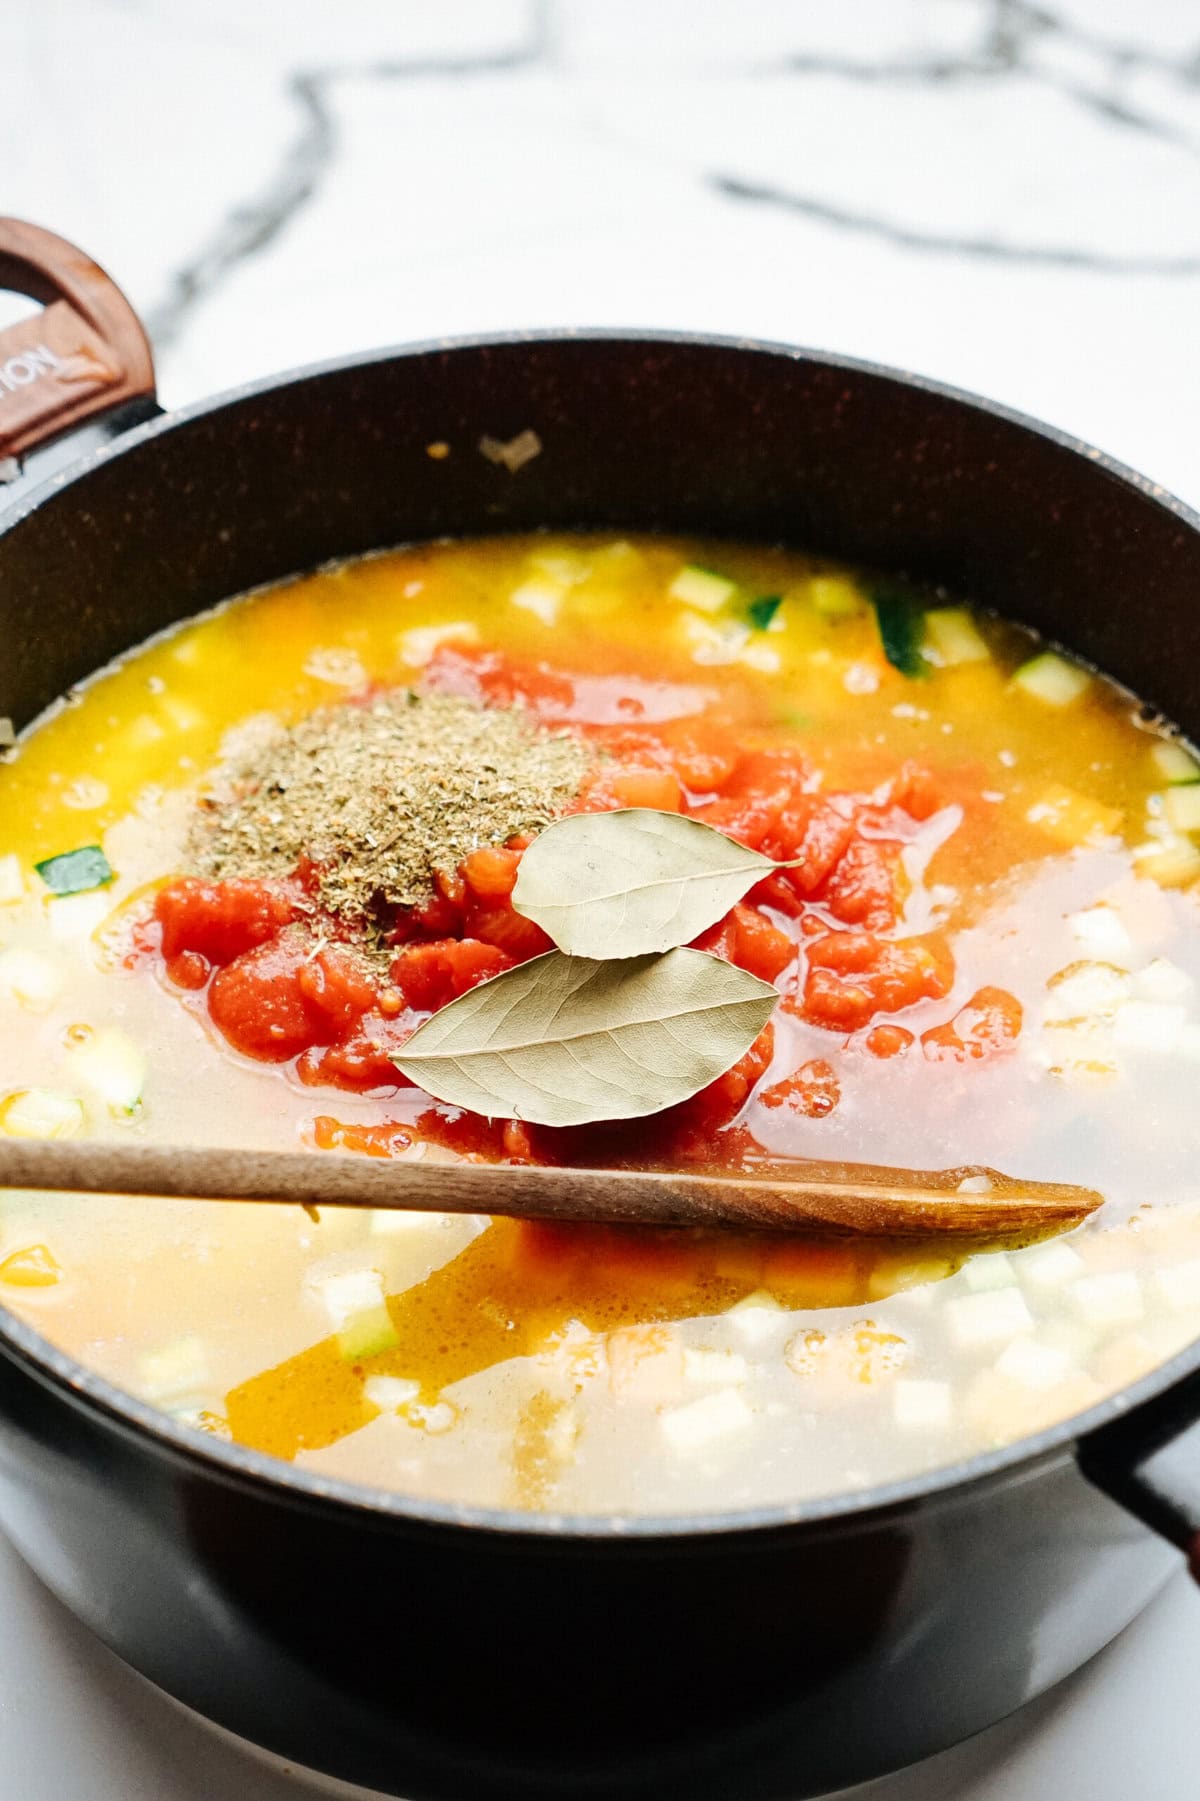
[86, 353]
[1148, 1461]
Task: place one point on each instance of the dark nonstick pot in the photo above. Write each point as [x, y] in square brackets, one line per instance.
[452, 1652]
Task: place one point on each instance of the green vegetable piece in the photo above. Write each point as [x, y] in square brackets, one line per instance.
[901, 626]
[75, 871]
[760, 612]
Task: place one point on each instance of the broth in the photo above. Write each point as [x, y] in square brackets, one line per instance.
[988, 955]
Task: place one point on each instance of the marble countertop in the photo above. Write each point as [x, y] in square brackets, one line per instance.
[1004, 194]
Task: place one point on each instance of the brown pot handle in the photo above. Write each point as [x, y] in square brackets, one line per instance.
[84, 354]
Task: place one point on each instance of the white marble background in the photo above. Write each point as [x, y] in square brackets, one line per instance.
[1004, 194]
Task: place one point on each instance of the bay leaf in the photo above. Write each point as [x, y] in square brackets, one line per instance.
[563, 1041]
[620, 884]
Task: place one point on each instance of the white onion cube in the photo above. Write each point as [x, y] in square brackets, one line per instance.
[978, 1320]
[1100, 931]
[390, 1393]
[1179, 1285]
[921, 1406]
[1153, 1026]
[1110, 1298]
[713, 1369]
[1050, 1265]
[699, 1424]
[1032, 1364]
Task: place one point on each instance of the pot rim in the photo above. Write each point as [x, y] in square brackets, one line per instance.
[26, 1346]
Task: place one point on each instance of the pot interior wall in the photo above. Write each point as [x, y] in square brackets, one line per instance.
[681, 435]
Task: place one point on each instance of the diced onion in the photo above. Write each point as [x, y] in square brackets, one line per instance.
[347, 1292]
[75, 916]
[700, 1423]
[1032, 1364]
[1101, 931]
[31, 978]
[390, 1393]
[1149, 1026]
[41, 1113]
[921, 1406]
[1050, 1265]
[419, 645]
[1111, 1298]
[1087, 990]
[178, 1371]
[713, 1369]
[997, 1314]
[1162, 980]
[112, 1066]
[756, 1316]
[990, 1270]
[1179, 1285]
[540, 596]
[12, 882]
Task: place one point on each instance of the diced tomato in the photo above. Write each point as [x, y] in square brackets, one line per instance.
[336, 990]
[703, 754]
[360, 1063]
[189, 970]
[778, 892]
[508, 932]
[813, 1090]
[385, 1140]
[726, 1096]
[488, 675]
[854, 975]
[817, 831]
[258, 1004]
[862, 887]
[647, 788]
[428, 976]
[437, 918]
[779, 767]
[751, 820]
[916, 791]
[989, 1023]
[888, 1041]
[491, 873]
[220, 920]
[746, 937]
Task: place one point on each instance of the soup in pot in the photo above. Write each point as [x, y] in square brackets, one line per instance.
[243, 867]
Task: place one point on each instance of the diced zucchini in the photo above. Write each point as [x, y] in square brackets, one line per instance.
[1174, 763]
[954, 636]
[697, 587]
[761, 612]
[75, 871]
[834, 597]
[40, 1113]
[1181, 806]
[355, 1302]
[901, 629]
[714, 644]
[1071, 818]
[32, 978]
[1052, 679]
[109, 1063]
[12, 882]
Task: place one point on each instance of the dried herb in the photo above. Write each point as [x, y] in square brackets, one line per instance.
[621, 884]
[381, 793]
[563, 1041]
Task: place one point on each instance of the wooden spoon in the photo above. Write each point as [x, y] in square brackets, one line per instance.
[805, 1197]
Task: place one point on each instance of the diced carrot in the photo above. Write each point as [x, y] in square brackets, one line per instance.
[648, 788]
[491, 873]
[888, 1041]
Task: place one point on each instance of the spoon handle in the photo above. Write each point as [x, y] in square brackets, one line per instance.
[816, 1197]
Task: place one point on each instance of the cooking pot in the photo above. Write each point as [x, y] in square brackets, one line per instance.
[449, 1651]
